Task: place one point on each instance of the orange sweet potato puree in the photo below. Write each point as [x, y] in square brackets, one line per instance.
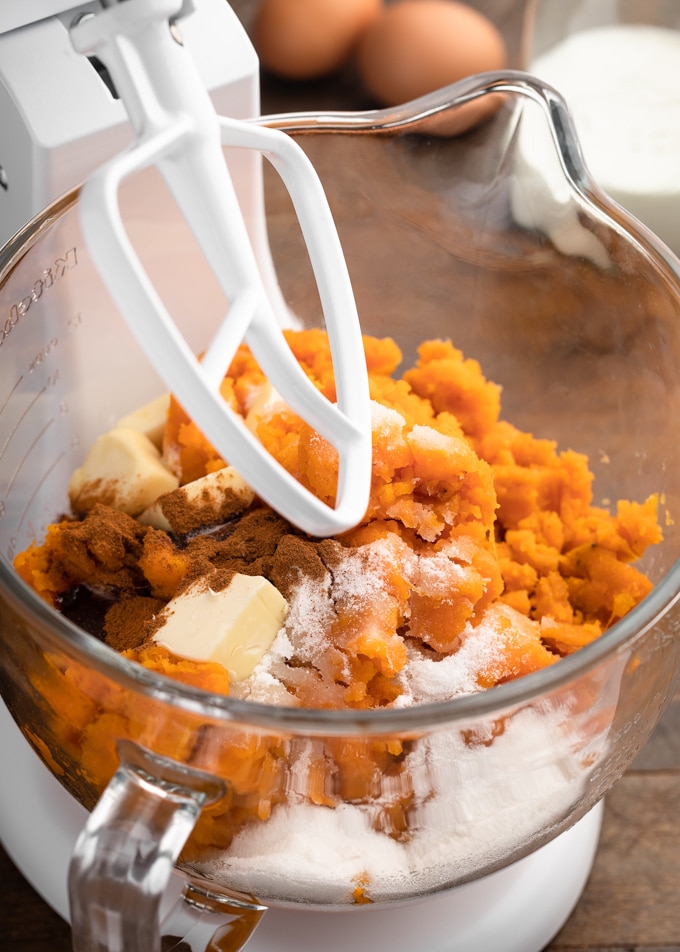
[533, 553]
[446, 470]
[541, 546]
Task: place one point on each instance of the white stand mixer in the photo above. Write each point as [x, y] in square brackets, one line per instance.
[56, 134]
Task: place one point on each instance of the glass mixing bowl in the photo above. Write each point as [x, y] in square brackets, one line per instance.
[498, 239]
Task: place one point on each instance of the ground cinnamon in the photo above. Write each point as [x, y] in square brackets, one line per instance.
[103, 553]
[127, 622]
[295, 558]
[203, 511]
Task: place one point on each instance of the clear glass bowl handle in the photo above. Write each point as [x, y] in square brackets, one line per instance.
[124, 857]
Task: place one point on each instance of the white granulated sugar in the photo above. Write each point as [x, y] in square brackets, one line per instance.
[385, 419]
[263, 687]
[312, 852]
[310, 615]
[475, 797]
[358, 581]
[439, 575]
[427, 680]
[473, 806]
[429, 438]
[490, 799]
[360, 576]
[281, 647]
[462, 549]
[388, 426]
[476, 792]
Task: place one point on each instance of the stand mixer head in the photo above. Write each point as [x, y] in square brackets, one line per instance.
[58, 132]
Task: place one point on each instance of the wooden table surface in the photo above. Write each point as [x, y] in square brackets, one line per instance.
[632, 900]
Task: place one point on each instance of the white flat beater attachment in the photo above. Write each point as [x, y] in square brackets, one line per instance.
[178, 131]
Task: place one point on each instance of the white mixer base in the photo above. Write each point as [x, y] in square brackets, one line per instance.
[518, 909]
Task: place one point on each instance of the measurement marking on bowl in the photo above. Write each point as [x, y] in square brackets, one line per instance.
[11, 393]
[28, 452]
[29, 502]
[43, 354]
[23, 416]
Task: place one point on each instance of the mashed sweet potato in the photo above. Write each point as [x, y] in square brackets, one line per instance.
[465, 511]
[474, 531]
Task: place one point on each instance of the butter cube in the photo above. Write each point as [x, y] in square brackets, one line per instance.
[122, 469]
[210, 500]
[149, 419]
[235, 626]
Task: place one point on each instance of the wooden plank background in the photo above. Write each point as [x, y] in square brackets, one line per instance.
[632, 900]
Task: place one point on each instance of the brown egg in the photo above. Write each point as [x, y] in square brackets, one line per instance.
[305, 39]
[417, 46]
